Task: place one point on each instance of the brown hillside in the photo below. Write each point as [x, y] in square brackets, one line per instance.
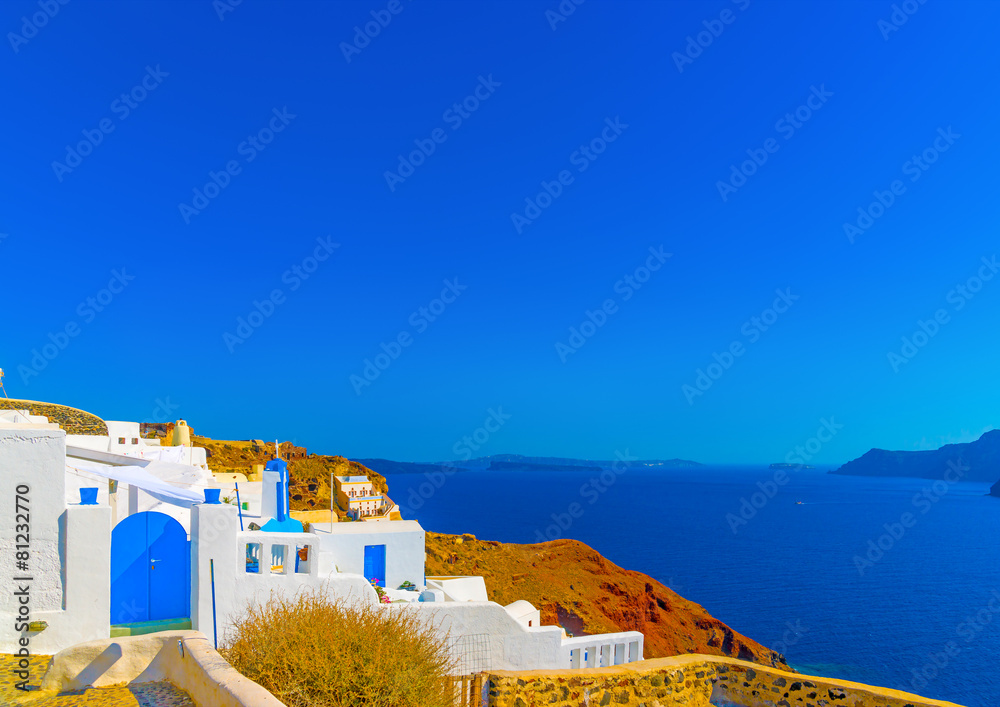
[578, 589]
[309, 477]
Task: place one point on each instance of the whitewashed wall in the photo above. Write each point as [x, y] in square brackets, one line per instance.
[404, 548]
[75, 604]
[510, 646]
[215, 535]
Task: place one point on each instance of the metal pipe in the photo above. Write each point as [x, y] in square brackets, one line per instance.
[215, 629]
[239, 506]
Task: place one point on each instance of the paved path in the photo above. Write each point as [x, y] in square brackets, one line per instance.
[149, 694]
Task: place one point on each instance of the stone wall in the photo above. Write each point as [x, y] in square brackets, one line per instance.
[75, 422]
[688, 681]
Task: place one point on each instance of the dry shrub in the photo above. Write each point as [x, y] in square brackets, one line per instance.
[313, 651]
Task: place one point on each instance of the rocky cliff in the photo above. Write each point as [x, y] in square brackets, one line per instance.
[577, 588]
[982, 459]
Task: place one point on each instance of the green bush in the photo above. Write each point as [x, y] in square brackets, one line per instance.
[312, 651]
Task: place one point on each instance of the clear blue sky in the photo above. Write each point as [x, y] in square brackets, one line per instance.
[876, 96]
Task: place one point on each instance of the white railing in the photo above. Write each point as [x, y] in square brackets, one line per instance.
[602, 650]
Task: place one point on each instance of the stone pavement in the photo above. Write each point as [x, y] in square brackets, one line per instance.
[150, 694]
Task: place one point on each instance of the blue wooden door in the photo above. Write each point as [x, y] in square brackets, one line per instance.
[169, 568]
[375, 563]
[150, 569]
[129, 571]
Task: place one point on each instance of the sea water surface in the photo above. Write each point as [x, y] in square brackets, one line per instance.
[924, 616]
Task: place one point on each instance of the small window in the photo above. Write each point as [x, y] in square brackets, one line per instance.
[121, 440]
[253, 557]
[135, 440]
[302, 559]
[278, 553]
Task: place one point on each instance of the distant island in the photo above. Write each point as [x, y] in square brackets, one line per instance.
[518, 462]
[786, 465]
[527, 466]
[979, 460]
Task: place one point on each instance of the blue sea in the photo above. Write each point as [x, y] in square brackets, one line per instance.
[894, 582]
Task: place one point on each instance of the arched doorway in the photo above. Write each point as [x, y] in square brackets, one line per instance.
[150, 569]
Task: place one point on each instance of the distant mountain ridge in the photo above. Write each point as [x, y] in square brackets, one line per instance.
[517, 462]
[528, 466]
[982, 457]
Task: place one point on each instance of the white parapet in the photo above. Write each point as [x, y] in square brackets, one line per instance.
[286, 563]
[484, 636]
[602, 650]
[487, 636]
[184, 658]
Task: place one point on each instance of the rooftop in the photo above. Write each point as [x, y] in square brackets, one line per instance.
[363, 528]
[353, 479]
[75, 422]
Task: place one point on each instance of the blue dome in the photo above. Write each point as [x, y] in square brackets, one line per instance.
[276, 465]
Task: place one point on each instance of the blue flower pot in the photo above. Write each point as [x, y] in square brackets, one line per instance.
[88, 496]
[212, 495]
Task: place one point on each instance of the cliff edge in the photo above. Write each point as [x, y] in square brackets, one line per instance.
[979, 460]
[575, 587]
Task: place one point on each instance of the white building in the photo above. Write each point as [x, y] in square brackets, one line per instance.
[124, 438]
[357, 496]
[85, 570]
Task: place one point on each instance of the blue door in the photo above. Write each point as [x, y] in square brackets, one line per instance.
[375, 563]
[150, 569]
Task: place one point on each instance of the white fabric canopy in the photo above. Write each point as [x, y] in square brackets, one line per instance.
[176, 484]
[175, 455]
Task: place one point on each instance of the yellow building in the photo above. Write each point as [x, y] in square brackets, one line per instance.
[357, 496]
